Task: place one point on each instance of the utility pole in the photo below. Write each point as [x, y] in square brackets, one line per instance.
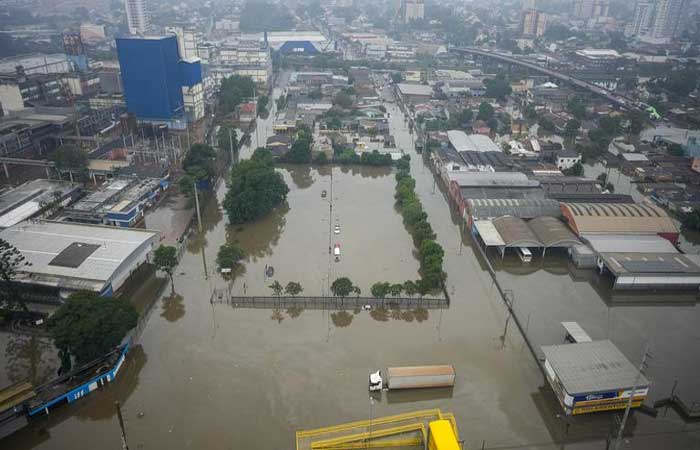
[230, 143]
[196, 203]
[642, 366]
[125, 446]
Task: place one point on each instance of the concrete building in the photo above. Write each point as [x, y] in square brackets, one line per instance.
[188, 40]
[463, 142]
[590, 9]
[296, 42]
[412, 10]
[249, 58]
[414, 93]
[657, 21]
[35, 64]
[68, 257]
[534, 23]
[593, 376]
[34, 198]
[137, 16]
[91, 33]
[154, 78]
[10, 97]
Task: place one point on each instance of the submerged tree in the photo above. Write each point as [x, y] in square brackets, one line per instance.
[88, 326]
[11, 259]
[165, 260]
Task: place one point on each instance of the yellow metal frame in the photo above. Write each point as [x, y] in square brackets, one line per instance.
[366, 439]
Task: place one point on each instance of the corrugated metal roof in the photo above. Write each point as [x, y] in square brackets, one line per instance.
[669, 264]
[620, 243]
[552, 232]
[591, 367]
[515, 232]
[41, 242]
[495, 179]
[523, 208]
[489, 234]
[472, 142]
[619, 218]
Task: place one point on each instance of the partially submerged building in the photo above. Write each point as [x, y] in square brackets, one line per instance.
[593, 376]
[68, 257]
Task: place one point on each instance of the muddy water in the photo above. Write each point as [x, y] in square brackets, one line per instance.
[215, 377]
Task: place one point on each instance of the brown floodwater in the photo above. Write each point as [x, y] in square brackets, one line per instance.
[211, 376]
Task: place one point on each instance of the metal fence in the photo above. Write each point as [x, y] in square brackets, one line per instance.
[329, 303]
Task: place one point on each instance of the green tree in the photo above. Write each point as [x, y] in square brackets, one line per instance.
[256, 189]
[11, 259]
[486, 112]
[277, 288]
[396, 289]
[546, 125]
[87, 326]
[572, 128]
[229, 255]
[293, 288]
[233, 91]
[227, 138]
[380, 289]
[577, 107]
[200, 162]
[300, 152]
[499, 89]
[70, 158]
[343, 100]
[165, 260]
[342, 287]
[262, 106]
[409, 287]
[357, 291]
[574, 171]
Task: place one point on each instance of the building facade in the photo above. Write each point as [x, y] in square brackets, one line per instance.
[657, 21]
[590, 9]
[137, 16]
[412, 10]
[154, 76]
[534, 23]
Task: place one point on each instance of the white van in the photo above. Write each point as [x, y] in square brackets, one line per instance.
[524, 254]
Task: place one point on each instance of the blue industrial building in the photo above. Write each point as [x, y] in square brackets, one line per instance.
[153, 75]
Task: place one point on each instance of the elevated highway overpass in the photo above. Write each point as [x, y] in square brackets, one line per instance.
[616, 99]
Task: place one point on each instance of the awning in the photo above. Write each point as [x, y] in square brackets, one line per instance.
[488, 233]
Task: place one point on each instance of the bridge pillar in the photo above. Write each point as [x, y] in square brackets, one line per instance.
[7, 172]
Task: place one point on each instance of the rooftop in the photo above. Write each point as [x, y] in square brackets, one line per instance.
[490, 208]
[415, 89]
[28, 199]
[72, 255]
[591, 367]
[492, 179]
[623, 218]
[648, 264]
[473, 142]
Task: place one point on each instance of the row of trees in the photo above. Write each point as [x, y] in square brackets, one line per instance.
[430, 252]
[256, 189]
[293, 288]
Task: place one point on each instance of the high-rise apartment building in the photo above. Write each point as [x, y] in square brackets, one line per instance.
[412, 10]
[657, 20]
[590, 9]
[137, 16]
[534, 23]
[188, 40]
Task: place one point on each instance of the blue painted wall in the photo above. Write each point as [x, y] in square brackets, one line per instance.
[298, 47]
[151, 76]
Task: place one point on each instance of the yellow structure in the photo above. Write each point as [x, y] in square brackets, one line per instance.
[414, 429]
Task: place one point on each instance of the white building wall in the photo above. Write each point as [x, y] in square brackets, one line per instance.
[11, 98]
[137, 16]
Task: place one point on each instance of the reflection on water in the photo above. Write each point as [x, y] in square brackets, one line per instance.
[301, 175]
[173, 307]
[101, 405]
[294, 311]
[30, 358]
[367, 171]
[418, 395]
[341, 319]
[277, 315]
[259, 238]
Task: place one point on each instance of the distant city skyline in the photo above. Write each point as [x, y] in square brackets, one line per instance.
[657, 20]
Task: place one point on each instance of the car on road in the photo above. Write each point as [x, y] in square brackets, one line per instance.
[336, 229]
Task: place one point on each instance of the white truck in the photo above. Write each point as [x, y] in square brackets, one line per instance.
[413, 377]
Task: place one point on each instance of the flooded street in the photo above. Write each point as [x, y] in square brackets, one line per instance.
[210, 376]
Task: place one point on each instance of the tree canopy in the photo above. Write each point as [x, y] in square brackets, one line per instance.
[87, 326]
[70, 157]
[229, 255]
[486, 112]
[165, 259]
[498, 88]
[256, 189]
[200, 162]
[342, 287]
[11, 259]
[234, 90]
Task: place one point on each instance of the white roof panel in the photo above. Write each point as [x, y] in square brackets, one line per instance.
[489, 234]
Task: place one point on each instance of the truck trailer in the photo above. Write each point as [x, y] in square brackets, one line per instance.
[414, 377]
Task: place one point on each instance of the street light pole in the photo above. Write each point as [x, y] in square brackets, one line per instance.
[630, 400]
[125, 446]
[196, 203]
